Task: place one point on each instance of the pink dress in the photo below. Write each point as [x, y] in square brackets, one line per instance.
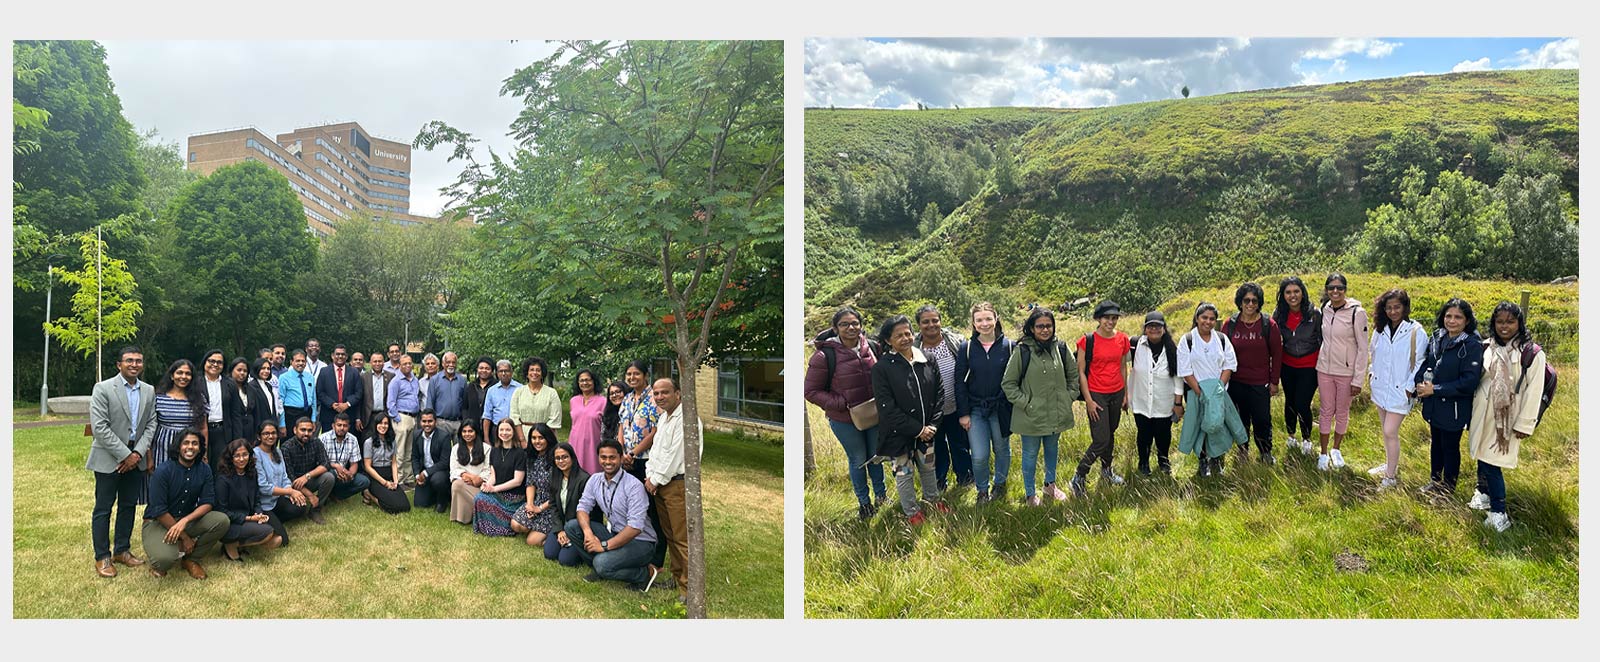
[585, 436]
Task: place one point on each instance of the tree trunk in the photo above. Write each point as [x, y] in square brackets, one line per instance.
[694, 514]
[811, 455]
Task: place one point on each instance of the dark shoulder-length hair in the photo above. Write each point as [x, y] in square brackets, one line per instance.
[385, 439]
[887, 328]
[1522, 336]
[1380, 308]
[613, 412]
[1466, 310]
[470, 454]
[173, 450]
[593, 379]
[550, 442]
[196, 392]
[1280, 314]
[274, 452]
[1250, 287]
[572, 467]
[227, 373]
[1039, 312]
[256, 366]
[225, 463]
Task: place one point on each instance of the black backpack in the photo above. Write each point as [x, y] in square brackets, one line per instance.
[1171, 350]
[1061, 351]
[1529, 352]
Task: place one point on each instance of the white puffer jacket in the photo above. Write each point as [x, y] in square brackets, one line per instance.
[1396, 355]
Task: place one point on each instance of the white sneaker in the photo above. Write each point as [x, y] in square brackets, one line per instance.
[1498, 521]
[1480, 501]
[1388, 483]
[1292, 443]
[1307, 447]
[1338, 458]
[1322, 462]
[1377, 470]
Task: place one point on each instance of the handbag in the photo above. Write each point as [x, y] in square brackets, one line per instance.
[865, 415]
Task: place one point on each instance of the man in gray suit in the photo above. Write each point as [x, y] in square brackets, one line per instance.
[122, 416]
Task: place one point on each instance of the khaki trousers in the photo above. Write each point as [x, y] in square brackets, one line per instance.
[404, 474]
[674, 532]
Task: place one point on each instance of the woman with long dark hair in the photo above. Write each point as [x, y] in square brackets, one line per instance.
[268, 405]
[238, 409]
[279, 499]
[469, 467]
[1156, 392]
[239, 498]
[180, 404]
[537, 517]
[611, 419]
[839, 378]
[587, 407]
[503, 494]
[1446, 383]
[1398, 346]
[905, 384]
[1041, 381]
[378, 460]
[1505, 408]
[566, 487]
[1300, 325]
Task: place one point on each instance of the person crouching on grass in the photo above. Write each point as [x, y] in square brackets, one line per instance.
[239, 497]
[179, 523]
[621, 545]
[907, 388]
[1505, 408]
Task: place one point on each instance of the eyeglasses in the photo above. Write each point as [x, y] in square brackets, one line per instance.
[849, 325]
[1339, 288]
[213, 362]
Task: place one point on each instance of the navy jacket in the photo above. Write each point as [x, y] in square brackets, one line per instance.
[328, 393]
[978, 375]
[1457, 367]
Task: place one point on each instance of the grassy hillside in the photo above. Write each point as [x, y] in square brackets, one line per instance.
[1259, 542]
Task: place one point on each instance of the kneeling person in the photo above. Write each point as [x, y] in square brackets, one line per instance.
[344, 456]
[430, 454]
[179, 523]
[307, 463]
[619, 548]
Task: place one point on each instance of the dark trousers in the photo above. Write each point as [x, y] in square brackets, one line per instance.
[952, 450]
[434, 491]
[284, 511]
[658, 556]
[566, 555]
[1492, 481]
[248, 532]
[322, 486]
[121, 490]
[1299, 384]
[1157, 431]
[292, 414]
[1255, 411]
[214, 444]
[391, 501]
[626, 563]
[1102, 433]
[1444, 456]
[344, 489]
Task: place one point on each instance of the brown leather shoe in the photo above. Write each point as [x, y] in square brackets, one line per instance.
[194, 569]
[104, 568]
[128, 559]
[156, 573]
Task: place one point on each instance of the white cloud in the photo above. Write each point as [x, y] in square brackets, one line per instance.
[1372, 48]
[1416, 73]
[1558, 54]
[1480, 64]
[1338, 66]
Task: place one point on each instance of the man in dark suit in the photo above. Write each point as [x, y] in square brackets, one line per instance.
[375, 385]
[339, 390]
[430, 455]
[122, 419]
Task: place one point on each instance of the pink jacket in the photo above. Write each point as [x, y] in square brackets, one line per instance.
[1344, 342]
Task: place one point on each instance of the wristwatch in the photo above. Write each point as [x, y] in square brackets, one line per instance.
[605, 545]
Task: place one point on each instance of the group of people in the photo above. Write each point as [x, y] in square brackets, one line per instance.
[931, 403]
[228, 455]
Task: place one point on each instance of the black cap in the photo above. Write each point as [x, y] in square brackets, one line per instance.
[1107, 307]
[1155, 317]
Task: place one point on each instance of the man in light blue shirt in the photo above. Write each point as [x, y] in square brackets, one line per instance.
[497, 398]
[405, 403]
[297, 388]
[620, 548]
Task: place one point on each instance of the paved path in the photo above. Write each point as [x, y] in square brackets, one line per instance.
[40, 424]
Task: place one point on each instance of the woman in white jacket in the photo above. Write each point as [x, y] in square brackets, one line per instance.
[1505, 408]
[1397, 347]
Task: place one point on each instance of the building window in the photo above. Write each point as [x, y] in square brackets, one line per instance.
[191, 157]
[751, 389]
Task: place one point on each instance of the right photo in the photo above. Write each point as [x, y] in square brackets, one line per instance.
[1191, 328]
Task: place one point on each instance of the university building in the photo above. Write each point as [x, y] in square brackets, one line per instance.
[738, 393]
[338, 171]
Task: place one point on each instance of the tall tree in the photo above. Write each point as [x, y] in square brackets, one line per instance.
[104, 309]
[243, 239]
[647, 171]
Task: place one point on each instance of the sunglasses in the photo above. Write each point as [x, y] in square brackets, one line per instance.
[1339, 288]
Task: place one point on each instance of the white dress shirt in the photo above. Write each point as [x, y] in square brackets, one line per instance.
[1152, 388]
[666, 452]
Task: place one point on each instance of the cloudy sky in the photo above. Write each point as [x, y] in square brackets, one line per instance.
[181, 88]
[1077, 73]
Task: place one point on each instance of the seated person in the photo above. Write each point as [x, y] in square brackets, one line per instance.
[307, 463]
[379, 463]
[537, 517]
[619, 548]
[429, 446]
[344, 457]
[502, 494]
[238, 499]
[566, 486]
[278, 498]
[469, 465]
[179, 523]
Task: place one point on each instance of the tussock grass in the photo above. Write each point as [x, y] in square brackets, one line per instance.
[366, 564]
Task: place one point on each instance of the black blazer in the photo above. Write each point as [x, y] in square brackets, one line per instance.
[574, 492]
[441, 451]
[237, 418]
[237, 496]
[264, 401]
[328, 391]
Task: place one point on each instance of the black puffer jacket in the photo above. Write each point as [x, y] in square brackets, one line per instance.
[909, 396]
[1306, 338]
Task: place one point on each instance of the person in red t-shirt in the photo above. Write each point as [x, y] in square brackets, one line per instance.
[1105, 375]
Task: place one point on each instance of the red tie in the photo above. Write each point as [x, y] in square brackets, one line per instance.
[340, 379]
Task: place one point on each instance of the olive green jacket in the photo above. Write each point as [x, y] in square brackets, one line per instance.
[1043, 398]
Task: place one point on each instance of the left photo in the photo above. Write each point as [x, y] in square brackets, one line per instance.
[341, 329]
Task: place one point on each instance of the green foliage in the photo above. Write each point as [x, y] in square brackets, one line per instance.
[1543, 225]
[1328, 177]
[241, 240]
[937, 278]
[163, 167]
[1411, 148]
[929, 220]
[1005, 169]
[104, 309]
[373, 277]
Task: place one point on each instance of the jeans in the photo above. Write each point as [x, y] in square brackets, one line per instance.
[626, 563]
[566, 555]
[985, 437]
[121, 489]
[344, 489]
[1299, 384]
[1444, 456]
[859, 446]
[907, 468]
[1102, 433]
[1492, 481]
[1255, 411]
[1030, 459]
[951, 451]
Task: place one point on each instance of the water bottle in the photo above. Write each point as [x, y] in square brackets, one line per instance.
[1427, 375]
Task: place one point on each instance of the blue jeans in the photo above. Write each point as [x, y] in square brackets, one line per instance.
[1492, 481]
[565, 555]
[344, 489]
[1030, 458]
[985, 436]
[859, 446]
[627, 563]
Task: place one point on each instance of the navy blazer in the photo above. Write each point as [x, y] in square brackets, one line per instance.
[328, 391]
[441, 451]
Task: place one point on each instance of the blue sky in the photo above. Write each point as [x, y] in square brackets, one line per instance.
[900, 73]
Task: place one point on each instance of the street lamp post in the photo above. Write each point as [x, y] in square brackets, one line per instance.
[44, 380]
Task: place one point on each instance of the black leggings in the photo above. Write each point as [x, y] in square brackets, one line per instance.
[1445, 456]
[284, 511]
[391, 501]
[1158, 431]
[1254, 404]
[1299, 384]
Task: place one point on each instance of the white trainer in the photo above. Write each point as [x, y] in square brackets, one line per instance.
[1480, 501]
[1322, 462]
[1498, 521]
[1388, 483]
[1307, 447]
[1377, 470]
[1338, 458]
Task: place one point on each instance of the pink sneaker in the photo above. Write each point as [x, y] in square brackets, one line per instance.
[1055, 492]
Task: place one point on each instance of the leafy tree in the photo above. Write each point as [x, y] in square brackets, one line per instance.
[1388, 162]
[1544, 227]
[1185, 91]
[852, 205]
[163, 167]
[1005, 169]
[242, 237]
[929, 221]
[1328, 178]
[937, 278]
[104, 309]
[1450, 229]
[646, 172]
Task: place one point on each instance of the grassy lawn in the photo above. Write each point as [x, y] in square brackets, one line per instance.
[1259, 542]
[366, 564]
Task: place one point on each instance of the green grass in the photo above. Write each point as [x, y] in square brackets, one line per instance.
[1259, 542]
[366, 564]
